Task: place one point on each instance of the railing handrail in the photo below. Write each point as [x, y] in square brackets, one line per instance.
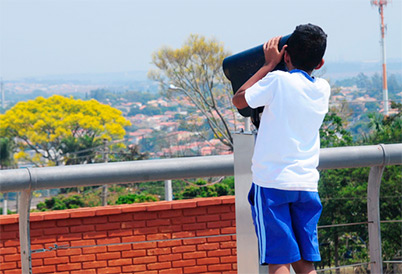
[13, 180]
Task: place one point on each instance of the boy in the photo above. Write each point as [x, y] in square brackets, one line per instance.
[284, 199]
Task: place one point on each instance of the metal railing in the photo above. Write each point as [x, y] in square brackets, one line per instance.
[30, 179]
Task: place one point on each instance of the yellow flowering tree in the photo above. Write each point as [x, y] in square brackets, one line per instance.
[57, 127]
[194, 73]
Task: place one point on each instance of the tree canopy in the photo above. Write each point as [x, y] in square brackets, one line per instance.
[194, 73]
[58, 125]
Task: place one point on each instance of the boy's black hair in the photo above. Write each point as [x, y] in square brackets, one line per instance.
[306, 46]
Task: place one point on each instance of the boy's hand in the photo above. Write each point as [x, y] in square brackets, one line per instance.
[272, 55]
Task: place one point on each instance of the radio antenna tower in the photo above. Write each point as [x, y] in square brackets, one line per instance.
[381, 4]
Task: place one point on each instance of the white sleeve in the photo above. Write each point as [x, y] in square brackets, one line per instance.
[261, 93]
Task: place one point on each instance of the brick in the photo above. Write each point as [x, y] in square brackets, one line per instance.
[107, 226]
[145, 230]
[183, 263]
[94, 250]
[169, 214]
[159, 206]
[120, 233]
[105, 241]
[82, 213]
[43, 240]
[184, 220]
[136, 224]
[133, 253]
[209, 202]
[8, 235]
[148, 272]
[119, 262]
[36, 217]
[208, 232]
[10, 227]
[34, 262]
[12, 271]
[121, 247]
[170, 243]
[194, 255]
[182, 249]
[158, 222]
[129, 239]
[194, 241]
[220, 267]
[195, 226]
[47, 254]
[109, 270]
[86, 271]
[144, 245]
[133, 208]
[207, 261]
[108, 256]
[94, 235]
[95, 220]
[208, 246]
[36, 233]
[12, 219]
[68, 252]
[82, 228]
[219, 224]
[158, 251]
[56, 231]
[229, 259]
[231, 244]
[170, 228]
[228, 199]
[134, 268]
[219, 209]
[83, 243]
[69, 222]
[12, 258]
[208, 218]
[82, 258]
[229, 216]
[55, 260]
[145, 216]
[219, 253]
[227, 238]
[44, 224]
[145, 260]
[44, 269]
[195, 211]
[228, 230]
[107, 211]
[157, 266]
[159, 236]
[14, 242]
[170, 257]
[8, 250]
[69, 266]
[9, 265]
[171, 271]
[183, 234]
[120, 217]
[195, 269]
[55, 215]
[184, 204]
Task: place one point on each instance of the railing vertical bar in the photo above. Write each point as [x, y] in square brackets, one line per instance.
[168, 190]
[25, 239]
[373, 214]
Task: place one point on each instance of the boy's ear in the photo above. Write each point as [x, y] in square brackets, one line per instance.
[320, 64]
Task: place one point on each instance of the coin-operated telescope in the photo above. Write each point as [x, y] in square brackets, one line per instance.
[240, 67]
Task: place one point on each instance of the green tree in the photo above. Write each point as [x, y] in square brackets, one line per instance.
[194, 72]
[55, 126]
[7, 146]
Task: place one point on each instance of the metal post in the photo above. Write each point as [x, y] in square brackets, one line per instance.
[247, 245]
[373, 214]
[25, 239]
[5, 203]
[168, 190]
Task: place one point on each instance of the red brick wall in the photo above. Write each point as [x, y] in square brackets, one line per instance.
[188, 236]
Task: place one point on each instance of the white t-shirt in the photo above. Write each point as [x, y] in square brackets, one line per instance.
[287, 147]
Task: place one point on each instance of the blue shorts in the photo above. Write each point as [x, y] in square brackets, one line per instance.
[286, 224]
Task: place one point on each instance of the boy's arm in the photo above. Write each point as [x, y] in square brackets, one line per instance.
[272, 58]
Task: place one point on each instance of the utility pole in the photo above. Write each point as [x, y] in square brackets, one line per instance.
[381, 4]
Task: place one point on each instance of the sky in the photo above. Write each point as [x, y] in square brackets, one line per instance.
[39, 37]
